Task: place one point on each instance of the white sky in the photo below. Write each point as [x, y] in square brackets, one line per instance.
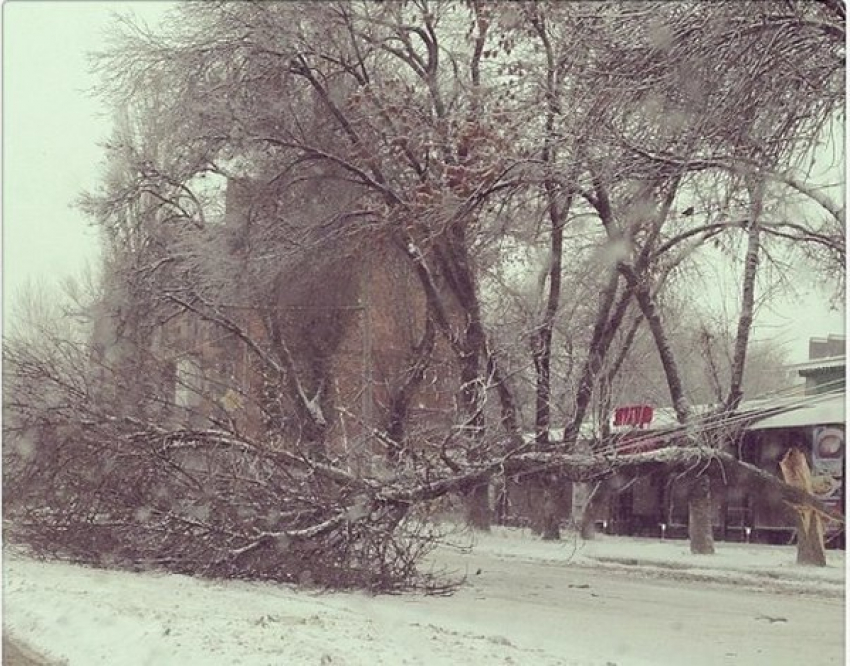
[52, 129]
[51, 134]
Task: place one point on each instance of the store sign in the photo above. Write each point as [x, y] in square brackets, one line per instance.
[828, 465]
[636, 416]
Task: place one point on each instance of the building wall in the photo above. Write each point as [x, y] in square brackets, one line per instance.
[823, 380]
[351, 314]
[375, 354]
[356, 342]
[832, 375]
[830, 346]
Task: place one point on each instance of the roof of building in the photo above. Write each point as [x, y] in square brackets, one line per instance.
[829, 338]
[825, 409]
[827, 363]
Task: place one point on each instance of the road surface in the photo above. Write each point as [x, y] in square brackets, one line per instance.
[518, 610]
[628, 618]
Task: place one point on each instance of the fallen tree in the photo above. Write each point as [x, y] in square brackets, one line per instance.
[345, 135]
[91, 486]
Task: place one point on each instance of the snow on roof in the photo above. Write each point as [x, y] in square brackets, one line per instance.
[825, 363]
[818, 410]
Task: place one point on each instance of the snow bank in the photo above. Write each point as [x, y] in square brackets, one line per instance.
[76, 615]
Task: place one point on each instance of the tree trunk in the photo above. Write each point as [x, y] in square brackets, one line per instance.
[745, 320]
[477, 502]
[700, 529]
[580, 505]
[810, 546]
[594, 503]
[551, 514]
[534, 500]
[587, 530]
[699, 502]
[400, 399]
[608, 320]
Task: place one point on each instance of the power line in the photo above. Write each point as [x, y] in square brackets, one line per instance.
[703, 428]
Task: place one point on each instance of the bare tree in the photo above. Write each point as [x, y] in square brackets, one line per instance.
[416, 136]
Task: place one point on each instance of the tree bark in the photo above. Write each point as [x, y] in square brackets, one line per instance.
[700, 529]
[551, 509]
[469, 343]
[477, 504]
[597, 497]
[609, 317]
[400, 399]
[810, 546]
[745, 319]
[542, 340]
[587, 529]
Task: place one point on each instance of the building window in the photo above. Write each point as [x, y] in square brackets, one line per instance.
[189, 382]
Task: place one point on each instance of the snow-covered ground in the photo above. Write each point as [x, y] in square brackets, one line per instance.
[613, 601]
[760, 566]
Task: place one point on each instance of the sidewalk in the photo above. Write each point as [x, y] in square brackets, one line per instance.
[758, 565]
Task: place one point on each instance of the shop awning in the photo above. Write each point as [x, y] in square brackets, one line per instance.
[819, 410]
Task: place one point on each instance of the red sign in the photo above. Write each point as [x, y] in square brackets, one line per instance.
[633, 415]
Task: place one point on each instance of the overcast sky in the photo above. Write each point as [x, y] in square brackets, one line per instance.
[51, 134]
[52, 131]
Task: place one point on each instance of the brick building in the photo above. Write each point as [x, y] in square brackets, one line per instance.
[350, 317]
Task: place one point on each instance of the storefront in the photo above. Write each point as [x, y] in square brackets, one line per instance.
[817, 429]
[657, 504]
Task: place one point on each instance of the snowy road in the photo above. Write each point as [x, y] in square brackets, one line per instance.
[525, 607]
[628, 618]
